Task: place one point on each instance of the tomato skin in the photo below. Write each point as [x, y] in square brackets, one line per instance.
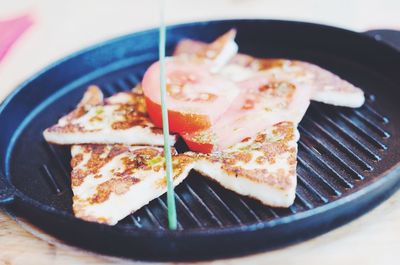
[197, 146]
[178, 121]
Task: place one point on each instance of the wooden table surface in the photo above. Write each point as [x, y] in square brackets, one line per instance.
[65, 26]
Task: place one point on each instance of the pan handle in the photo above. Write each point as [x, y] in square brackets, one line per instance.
[7, 191]
[388, 36]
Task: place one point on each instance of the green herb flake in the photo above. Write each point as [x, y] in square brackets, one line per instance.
[154, 161]
[99, 111]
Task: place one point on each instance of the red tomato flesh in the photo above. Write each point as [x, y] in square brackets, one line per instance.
[195, 98]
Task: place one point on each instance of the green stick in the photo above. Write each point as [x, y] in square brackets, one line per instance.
[172, 220]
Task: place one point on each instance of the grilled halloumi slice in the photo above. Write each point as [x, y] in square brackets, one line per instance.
[110, 182]
[327, 87]
[262, 167]
[217, 53]
[119, 119]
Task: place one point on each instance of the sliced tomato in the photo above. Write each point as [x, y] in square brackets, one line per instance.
[203, 141]
[195, 98]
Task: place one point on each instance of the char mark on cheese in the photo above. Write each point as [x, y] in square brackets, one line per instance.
[111, 181]
[119, 119]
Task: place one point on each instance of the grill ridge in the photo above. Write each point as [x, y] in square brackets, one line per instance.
[187, 210]
[53, 154]
[108, 89]
[344, 182]
[249, 209]
[273, 212]
[381, 132]
[303, 200]
[209, 198]
[347, 167]
[383, 119]
[134, 221]
[294, 207]
[153, 218]
[122, 86]
[367, 136]
[225, 206]
[364, 165]
[164, 206]
[326, 184]
[51, 179]
[197, 197]
[348, 136]
[302, 179]
[132, 80]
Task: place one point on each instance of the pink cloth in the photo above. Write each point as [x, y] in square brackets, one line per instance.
[11, 30]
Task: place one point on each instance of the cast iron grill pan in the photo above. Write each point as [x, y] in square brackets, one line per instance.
[347, 163]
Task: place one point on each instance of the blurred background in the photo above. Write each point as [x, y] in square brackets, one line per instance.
[55, 28]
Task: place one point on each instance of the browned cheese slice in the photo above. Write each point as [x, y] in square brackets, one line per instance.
[216, 54]
[109, 182]
[262, 167]
[326, 86]
[119, 119]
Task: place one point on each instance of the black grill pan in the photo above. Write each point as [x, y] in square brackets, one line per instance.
[348, 158]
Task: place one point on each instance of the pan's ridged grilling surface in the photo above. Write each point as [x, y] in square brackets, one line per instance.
[338, 151]
[348, 159]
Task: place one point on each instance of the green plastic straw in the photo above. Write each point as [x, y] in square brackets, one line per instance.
[172, 220]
